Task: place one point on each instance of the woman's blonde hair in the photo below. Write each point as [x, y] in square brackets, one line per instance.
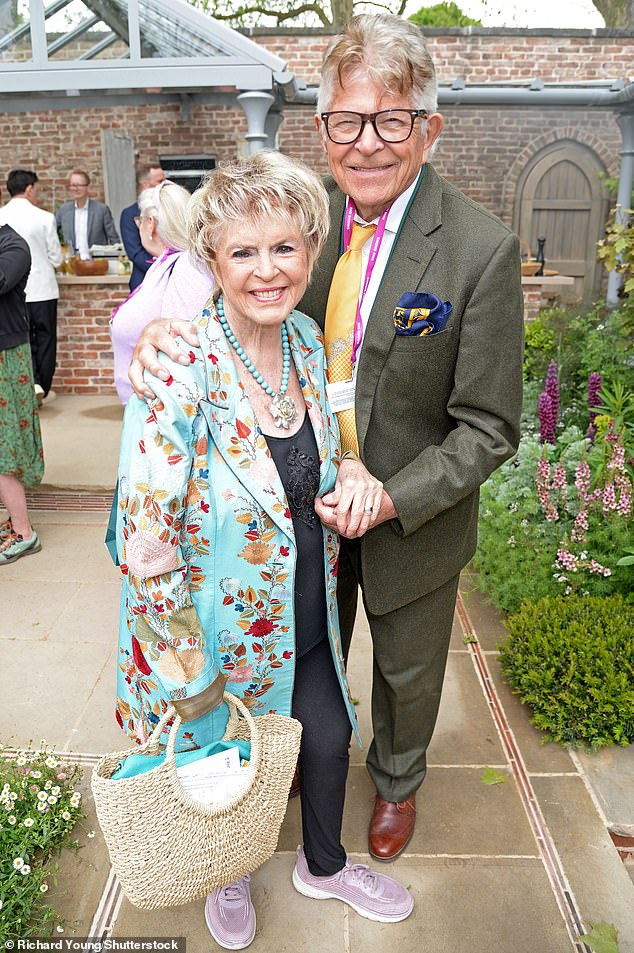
[252, 190]
[167, 203]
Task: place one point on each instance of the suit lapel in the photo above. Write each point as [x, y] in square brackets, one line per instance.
[234, 428]
[90, 220]
[410, 258]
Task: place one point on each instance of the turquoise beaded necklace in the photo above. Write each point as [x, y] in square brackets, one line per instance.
[283, 410]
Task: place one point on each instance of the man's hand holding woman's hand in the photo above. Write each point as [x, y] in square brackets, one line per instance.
[158, 336]
[357, 503]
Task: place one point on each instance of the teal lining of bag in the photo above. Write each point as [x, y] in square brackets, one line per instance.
[137, 764]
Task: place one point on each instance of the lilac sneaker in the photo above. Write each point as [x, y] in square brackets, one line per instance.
[372, 895]
[230, 915]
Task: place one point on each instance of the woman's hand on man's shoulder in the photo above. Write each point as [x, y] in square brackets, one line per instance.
[159, 335]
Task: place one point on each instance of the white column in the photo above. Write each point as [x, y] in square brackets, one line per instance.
[255, 106]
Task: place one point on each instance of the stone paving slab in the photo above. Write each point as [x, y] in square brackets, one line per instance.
[611, 773]
[456, 814]
[486, 619]
[465, 733]
[77, 555]
[598, 877]
[78, 463]
[25, 621]
[474, 906]
[49, 689]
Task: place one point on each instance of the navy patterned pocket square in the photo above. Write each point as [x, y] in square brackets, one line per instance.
[420, 312]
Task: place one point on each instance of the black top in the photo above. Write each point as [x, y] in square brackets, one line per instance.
[15, 264]
[297, 462]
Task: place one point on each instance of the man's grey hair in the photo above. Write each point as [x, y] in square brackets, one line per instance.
[388, 52]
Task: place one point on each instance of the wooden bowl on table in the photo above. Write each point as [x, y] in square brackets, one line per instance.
[85, 269]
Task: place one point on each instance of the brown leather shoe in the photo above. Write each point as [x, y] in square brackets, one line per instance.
[391, 827]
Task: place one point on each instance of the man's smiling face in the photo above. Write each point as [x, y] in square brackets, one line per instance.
[373, 172]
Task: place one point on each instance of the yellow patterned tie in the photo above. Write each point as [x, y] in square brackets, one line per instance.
[341, 312]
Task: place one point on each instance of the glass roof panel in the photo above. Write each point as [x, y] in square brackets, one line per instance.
[160, 39]
[84, 30]
[15, 32]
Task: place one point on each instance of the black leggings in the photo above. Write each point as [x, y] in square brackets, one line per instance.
[323, 758]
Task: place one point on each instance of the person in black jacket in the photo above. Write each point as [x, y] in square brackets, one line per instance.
[147, 177]
[21, 457]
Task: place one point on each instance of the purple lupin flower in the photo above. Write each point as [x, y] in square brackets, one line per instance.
[546, 418]
[594, 400]
[552, 389]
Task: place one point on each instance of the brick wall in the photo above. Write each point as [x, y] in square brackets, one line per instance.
[54, 142]
[84, 353]
[486, 56]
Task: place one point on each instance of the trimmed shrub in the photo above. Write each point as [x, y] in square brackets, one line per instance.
[571, 660]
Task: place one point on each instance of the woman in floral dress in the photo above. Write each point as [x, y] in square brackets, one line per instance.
[21, 457]
[228, 573]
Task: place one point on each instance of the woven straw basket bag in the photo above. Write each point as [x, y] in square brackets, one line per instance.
[167, 849]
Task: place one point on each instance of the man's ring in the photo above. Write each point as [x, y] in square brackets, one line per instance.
[369, 509]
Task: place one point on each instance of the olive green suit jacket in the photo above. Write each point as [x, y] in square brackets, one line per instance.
[436, 415]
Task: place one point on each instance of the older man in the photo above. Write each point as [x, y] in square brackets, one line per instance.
[84, 221]
[423, 326]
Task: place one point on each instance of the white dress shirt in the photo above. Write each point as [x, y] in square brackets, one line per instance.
[39, 230]
[392, 225]
[81, 231]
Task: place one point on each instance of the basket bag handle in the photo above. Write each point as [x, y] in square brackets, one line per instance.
[235, 705]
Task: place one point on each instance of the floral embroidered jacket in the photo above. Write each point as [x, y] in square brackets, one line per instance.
[206, 544]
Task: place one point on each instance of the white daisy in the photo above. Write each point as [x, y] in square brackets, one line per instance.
[43, 888]
[28, 822]
[11, 819]
[25, 870]
[18, 863]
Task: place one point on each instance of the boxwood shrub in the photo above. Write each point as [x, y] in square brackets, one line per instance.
[571, 660]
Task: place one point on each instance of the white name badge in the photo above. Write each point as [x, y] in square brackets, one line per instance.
[341, 395]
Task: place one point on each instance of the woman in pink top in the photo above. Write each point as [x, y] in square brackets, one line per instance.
[174, 286]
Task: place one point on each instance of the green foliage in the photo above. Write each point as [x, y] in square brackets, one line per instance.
[443, 14]
[571, 660]
[616, 250]
[602, 938]
[491, 776]
[597, 341]
[39, 806]
[517, 556]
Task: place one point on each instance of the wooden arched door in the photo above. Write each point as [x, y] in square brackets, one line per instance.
[561, 197]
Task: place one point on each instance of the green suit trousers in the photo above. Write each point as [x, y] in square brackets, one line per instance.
[410, 646]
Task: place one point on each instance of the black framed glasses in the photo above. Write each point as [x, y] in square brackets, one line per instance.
[390, 125]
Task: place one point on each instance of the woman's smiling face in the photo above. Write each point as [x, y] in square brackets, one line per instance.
[263, 269]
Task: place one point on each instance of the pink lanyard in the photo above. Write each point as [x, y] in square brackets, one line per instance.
[377, 238]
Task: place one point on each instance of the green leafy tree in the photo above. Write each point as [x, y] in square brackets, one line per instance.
[443, 14]
[325, 13]
[618, 14]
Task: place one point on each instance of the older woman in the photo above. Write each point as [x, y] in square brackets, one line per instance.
[228, 572]
[174, 285]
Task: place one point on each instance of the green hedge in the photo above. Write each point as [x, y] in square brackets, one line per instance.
[571, 660]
